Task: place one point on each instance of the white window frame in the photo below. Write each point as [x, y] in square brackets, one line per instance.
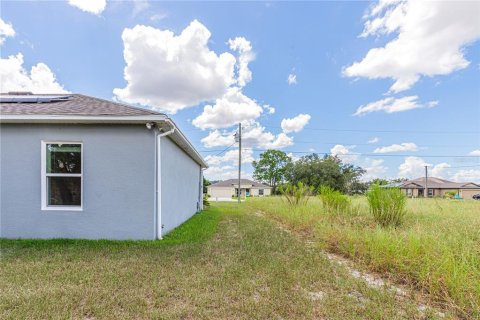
[44, 175]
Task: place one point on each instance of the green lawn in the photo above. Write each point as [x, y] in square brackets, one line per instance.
[436, 251]
[225, 263]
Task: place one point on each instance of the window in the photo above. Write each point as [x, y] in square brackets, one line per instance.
[260, 192]
[62, 176]
[431, 192]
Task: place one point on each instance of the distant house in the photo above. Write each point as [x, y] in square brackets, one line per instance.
[229, 188]
[74, 166]
[439, 187]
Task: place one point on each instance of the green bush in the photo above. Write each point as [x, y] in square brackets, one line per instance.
[387, 205]
[296, 194]
[450, 194]
[334, 201]
[206, 203]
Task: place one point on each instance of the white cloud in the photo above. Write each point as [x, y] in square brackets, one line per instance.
[217, 139]
[170, 72]
[295, 124]
[269, 109]
[224, 173]
[6, 30]
[374, 140]
[405, 146]
[158, 17]
[475, 153]
[246, 55]
[374, 169]
[293, 157]
[232, 108]
[430, 41]
[292, 79]
[392, 105]
[253, 135]
[231, 156]
[438, 170]
[277, 142]
[412, 167]
[91, 6]
[139, 6]
[225, 166]
[14, 77]
[471, 175]
[344, 153]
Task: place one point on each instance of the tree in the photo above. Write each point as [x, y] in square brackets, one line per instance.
[315, 171]
[379, 181]
[206, 183]
[271, 167]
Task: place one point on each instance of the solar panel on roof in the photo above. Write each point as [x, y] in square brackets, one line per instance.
[31, 98]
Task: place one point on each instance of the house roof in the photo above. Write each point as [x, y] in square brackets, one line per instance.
[234, 182]
[66, 104]
[25, 107]
[437, 183]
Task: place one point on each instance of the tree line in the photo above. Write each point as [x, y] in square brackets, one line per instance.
[276, 168]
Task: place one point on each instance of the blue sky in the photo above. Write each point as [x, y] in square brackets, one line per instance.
[417, 79]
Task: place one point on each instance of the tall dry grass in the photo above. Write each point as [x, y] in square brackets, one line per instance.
[387, 205]
[436, 249]
[334, 201]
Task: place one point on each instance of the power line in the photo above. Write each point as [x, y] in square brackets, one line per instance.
[215, 155]
[374, 145]
[367, 130]
[456, 167]
[382, 131]
[359, 154]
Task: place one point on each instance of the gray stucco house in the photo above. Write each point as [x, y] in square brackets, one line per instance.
[73, 166]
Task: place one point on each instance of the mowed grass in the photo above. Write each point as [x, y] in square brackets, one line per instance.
[224, 263]
[436, 250]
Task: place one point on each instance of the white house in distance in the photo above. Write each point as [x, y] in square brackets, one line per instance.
[229, 188]
[74, 166]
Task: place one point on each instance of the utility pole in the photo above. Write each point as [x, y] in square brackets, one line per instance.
[426, 182]
[238, 138]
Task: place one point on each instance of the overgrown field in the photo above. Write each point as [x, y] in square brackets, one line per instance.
[225, 263]
[436, 249]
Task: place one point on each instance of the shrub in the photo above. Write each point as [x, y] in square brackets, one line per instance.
[387, 205]
[450, 194]
[206, 203]
[296, 194]
[334, 201]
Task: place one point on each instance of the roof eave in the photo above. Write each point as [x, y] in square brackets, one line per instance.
[181, 139]
[80, 119]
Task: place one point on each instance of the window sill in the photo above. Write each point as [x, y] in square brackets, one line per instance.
[62, 208]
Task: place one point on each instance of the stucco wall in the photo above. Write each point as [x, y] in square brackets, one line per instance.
[228, 192]
[221, 192]
[468, 194]
[118, 177]
[181, 189]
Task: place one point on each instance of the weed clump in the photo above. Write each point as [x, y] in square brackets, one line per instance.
[296, 194]
[333, 200]
[387, 205]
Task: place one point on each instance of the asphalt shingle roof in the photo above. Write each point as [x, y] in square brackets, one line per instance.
[67, 104]
[437, 183]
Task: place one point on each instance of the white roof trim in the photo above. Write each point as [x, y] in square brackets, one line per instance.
[35, 118]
